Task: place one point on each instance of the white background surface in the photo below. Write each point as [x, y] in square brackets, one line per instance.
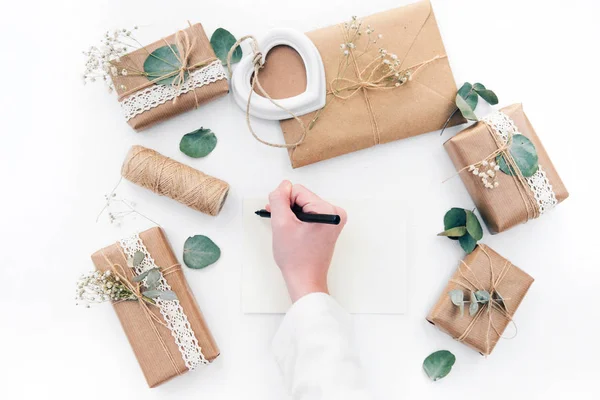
[63, 144]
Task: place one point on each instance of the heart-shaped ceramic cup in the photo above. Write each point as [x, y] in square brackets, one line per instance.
[312, 99]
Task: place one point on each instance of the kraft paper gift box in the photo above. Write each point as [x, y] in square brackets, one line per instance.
[145, 104]
[159, 353]
[477, 272]
[422, 105]
[514, 201]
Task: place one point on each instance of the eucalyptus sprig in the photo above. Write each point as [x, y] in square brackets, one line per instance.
[467, 98]
[462, 225]
[478, 297]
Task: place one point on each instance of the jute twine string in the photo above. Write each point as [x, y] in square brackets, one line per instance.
[492, 305]
[185, 47]
[167, 177]
[503, 148]
[258, 63]
[144, 302]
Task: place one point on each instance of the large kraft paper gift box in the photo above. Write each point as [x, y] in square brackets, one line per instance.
[145, 104]
[514, 201]
[483, 269]
[343, 126]
[186, 342]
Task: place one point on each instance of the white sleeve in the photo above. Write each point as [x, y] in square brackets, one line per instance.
[314, 350]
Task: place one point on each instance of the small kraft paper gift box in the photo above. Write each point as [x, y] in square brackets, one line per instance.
[184, 74]
[170, 337]
[391, 81]
[480, 299]
[505, 141]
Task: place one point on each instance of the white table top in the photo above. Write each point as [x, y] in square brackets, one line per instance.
[63, 144]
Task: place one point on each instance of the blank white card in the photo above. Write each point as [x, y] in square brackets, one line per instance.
[368, 273]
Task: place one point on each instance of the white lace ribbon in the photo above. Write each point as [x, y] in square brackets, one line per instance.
[171, 310]
[155, 95]
[503, 126]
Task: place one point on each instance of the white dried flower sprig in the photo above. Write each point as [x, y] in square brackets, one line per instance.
[487, 170]
[99, 65]
[119, 208]
[96, 287]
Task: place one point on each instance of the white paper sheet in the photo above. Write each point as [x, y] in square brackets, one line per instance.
[368, 273]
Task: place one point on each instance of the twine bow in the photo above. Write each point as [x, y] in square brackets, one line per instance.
[185, 48]
[492, 305]
[145, 302]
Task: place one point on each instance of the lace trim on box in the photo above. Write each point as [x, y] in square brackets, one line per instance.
[155, 95]
[171, 310]
[539, 184]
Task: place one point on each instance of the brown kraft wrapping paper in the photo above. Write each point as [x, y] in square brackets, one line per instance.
[502, 207]
[344, 126]
[156, 364]
[201, 51]
[513, 287]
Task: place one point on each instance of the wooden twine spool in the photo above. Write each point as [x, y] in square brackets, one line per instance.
[167, 177]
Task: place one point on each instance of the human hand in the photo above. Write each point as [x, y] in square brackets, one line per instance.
[303, 251]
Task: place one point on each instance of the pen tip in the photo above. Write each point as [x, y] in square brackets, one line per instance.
[257, 212]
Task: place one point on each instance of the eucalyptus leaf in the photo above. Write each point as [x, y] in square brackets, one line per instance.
[474, 306]
[199, 252]
[525, 156]
[473, 226]
[168, 295]
[153, 278]
[486, 94]
[482, 296]
[454, 232]
[499, 300]
[198, 143]
[439, 364]
[222, 41]
[152, 294]
[465, 108]
[141, 276]
[138, 257]
[457, 297]
[455, 217]
[467, 243]
[469, 95]
[161, 62]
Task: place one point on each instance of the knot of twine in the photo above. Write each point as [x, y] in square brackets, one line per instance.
[167, 177]
[185, 48]
[145, 302]
[258, 63]
[492, 305]
[503, 148]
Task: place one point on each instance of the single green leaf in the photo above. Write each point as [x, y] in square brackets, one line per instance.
[482, 296]
[474, 306]
[467, 243]
[161, 62]
[153, 278]
[465, 89]
[222, 41]
[141, 276]
[525, 156]
[499, 300]
[152, 294]
[455, 217]
[465, 109]
[168, 295]
[486, 94]
[138, 257]
[199, 252]
[439, 364]
[198, 143]
[457, 296]
[468, 95]
[473, 226]
[454, 232]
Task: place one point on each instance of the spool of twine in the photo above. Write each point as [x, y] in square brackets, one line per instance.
[167, 177]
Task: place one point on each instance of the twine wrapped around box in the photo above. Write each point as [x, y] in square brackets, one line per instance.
[483, 269]
[171, 337]
[200, 78]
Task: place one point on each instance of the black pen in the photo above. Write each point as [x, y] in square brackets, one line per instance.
[330, 219]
